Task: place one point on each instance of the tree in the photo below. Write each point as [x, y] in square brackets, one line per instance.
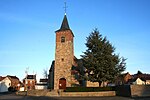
[100, 61]
[45, 74]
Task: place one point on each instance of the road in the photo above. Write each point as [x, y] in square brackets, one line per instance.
[13, 96]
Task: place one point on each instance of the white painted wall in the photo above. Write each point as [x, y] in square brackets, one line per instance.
[21, 89]
[5, 84]
[40, 87]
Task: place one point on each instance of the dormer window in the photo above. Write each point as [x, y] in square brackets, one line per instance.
[62, 39]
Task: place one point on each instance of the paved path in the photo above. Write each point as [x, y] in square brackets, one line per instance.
[12, 96]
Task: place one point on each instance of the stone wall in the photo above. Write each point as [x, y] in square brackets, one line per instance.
[66, 94]
[140, 90]
[64, 55]
[92, 84]
[33, 92]
[105, 93]
[133, 90]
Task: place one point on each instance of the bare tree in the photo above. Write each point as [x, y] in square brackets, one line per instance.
[45, 73]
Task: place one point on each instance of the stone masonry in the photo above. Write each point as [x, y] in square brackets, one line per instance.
[64, 55]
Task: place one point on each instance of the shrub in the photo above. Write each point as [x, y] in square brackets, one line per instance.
[12, 89]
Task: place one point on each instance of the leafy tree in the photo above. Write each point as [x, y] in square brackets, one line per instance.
[100, 61]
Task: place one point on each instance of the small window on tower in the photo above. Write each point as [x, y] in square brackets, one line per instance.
[62, 39]
[62, 59]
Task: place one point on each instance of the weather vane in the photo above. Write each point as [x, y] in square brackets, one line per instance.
[65, 7]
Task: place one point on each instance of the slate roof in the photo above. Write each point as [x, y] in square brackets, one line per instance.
[64, 25]
[31, 77]
[43, 80]
[134, 79]
[13, 77]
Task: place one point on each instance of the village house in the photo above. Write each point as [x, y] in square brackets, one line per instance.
[43, 81]
[147, 81]
[123, 79]
[11, 82]
[29, 82]
[144, 77]
[136, 79]
[42, 84]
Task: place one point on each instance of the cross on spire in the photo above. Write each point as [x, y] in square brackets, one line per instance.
[65, 8]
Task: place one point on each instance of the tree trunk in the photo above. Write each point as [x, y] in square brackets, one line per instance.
[100, 83]
[103, 84]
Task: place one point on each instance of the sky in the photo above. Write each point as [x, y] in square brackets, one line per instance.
[27, 31]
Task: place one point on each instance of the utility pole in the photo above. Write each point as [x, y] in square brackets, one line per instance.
[26, 82]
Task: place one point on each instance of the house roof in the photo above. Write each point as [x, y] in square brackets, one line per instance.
[145, 78]
[134, 79]
[123, 75]
[142, 76]
[1, 78]
[31, 76]
[12, 77]
[43, 80]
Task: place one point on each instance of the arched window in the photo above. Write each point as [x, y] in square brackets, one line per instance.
[62, 39]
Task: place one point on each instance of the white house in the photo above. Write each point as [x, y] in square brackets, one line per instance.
[139, 81]
[147, 82]
[5, 84]
[9, 81]
[42, 84]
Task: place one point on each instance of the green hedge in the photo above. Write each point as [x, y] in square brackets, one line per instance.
[89, 89]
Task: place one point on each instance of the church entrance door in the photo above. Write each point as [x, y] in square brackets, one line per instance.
[62, 83]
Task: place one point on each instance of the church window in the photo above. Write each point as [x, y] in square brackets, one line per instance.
[62, 39]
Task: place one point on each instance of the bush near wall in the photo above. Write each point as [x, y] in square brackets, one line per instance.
[12, 89]
[89, 89]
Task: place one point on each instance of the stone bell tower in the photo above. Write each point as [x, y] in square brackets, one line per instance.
[64, 56]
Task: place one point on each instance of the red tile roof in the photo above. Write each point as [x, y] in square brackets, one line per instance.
[1, 78]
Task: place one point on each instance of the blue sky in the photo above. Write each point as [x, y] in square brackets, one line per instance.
[27, 31]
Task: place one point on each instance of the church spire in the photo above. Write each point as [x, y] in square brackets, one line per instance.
[64, 25]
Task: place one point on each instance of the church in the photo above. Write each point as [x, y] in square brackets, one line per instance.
[66, 70]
